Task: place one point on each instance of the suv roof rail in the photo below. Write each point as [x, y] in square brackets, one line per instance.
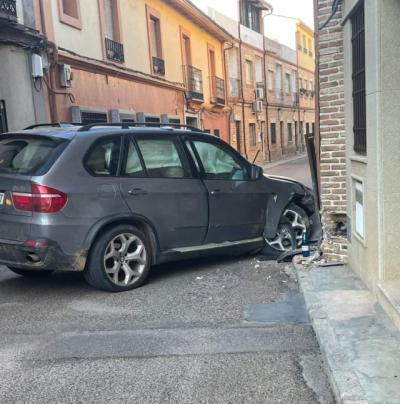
[54, 124]
[127, 125]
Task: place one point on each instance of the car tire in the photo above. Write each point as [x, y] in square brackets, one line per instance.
[119, 260]
[284, 241]
[31, 273]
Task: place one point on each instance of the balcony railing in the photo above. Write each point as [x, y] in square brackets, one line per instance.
[8, 9]
[158, 66]
[114, 50]
[217, 90]
[235, 89]
[194, 83]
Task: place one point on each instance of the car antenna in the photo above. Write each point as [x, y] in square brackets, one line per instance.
[255, 158]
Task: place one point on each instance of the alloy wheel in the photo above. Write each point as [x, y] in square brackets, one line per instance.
[125, 259]
[284, 239]
[298, 224]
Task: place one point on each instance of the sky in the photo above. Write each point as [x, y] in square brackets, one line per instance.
[276, 27]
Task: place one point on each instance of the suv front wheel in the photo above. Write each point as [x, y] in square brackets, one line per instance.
[119, 260]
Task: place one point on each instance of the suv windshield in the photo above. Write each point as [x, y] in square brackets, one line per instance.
[24, 155]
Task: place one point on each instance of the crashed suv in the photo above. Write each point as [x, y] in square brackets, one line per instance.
[113, 200]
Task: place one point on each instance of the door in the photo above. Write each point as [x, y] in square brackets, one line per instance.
[157, 183]
[237, 204]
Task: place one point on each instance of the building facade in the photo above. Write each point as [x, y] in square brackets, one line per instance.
[139, 61]
[359, 120]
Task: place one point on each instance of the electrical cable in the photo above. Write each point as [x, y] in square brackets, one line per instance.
[69, 95]
[335, 6]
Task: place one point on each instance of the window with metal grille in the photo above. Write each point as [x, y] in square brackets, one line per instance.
[358, 75]
[253, 136]
[3, 117]
[273, 133]
[93, 117]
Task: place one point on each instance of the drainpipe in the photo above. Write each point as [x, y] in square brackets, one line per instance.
[231, 45]
[51, 74]
[241, 84]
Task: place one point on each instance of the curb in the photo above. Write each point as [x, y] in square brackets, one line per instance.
[344, 382]
[284, 161]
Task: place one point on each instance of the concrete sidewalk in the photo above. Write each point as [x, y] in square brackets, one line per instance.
[361, 346]
[284, 160]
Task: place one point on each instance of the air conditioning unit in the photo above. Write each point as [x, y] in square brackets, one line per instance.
[257, 106]
[65, 72]
[259, 93]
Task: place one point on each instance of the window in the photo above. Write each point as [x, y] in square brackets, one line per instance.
[287, 83]
[3, 117]
[24, 155]
[259, 69]
[358, 70]
[304, 44]
[219, 164]
[310, 48]
[133, 166]
[271, 80]
[359, 207]
[69, 12]
[296, 128]
[104, 157]
[249, 72]
[281, 127]
[253, 135]
[290, 133]
[161, 158]
[152, 119]
[307, 128]
[175, 121]
[217, 132]
[301, 83]
[155, 41]
[109, 19]
[250, 15]
[273, 133]
[88, 117]
[313, 128]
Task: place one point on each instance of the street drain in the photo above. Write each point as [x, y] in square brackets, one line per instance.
[291, 310]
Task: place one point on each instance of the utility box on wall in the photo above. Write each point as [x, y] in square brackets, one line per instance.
[65, 73]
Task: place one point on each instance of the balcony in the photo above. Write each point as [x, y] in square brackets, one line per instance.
[158, 66]
[194, 83]
[235, 88]
[114, 50]
[217, 90]
[8, 9]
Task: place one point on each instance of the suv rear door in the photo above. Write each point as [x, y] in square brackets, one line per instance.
[237, 204]
[21, 157]
[159, 185]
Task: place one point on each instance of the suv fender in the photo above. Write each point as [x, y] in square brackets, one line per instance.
[136, 220]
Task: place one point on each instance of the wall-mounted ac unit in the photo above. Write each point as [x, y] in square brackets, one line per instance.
[257, 106]
[259, 93]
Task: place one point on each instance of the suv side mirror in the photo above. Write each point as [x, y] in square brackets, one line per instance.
[256, 172]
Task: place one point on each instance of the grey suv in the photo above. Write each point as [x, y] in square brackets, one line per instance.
[113, 200]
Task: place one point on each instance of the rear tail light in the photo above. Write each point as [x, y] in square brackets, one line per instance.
[41, 199]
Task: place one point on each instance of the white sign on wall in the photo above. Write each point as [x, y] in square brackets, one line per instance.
[359, 208]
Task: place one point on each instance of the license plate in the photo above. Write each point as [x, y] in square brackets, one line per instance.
[1, 198]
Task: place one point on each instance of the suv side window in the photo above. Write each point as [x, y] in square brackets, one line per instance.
[219, 163]
[103, 158]
[161, 158]
[133, 165]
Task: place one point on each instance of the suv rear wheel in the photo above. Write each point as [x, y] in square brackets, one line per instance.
[119, 260]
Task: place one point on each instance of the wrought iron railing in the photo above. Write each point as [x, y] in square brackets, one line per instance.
[194, 83]
[235, 88]
[8, 9]
[217, 90]
[114, 50]
[158, 66]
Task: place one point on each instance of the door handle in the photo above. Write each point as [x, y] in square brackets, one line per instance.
[215, 192]
[137, 191]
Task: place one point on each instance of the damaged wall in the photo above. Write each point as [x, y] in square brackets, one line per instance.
[332, 133]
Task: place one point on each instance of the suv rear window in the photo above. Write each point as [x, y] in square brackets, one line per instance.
[25, 155]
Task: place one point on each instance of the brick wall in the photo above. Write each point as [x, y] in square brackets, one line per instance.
[332, 135]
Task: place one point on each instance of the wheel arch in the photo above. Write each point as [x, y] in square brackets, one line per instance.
[276, 206]
[141, 222]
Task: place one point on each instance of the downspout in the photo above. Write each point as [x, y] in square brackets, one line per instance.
[51, 74]
[298, 100]
[226, 88]
[242, 86]
[316, 89]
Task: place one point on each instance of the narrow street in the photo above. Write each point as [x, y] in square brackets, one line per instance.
[297, 168]
[226, 330]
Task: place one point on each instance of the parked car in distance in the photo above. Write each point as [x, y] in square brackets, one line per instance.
[113, 200]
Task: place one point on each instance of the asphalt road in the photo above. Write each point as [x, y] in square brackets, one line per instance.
[212, 331]
[297, 169]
